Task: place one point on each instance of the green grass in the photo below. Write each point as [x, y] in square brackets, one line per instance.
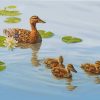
[70, 39]
[45, 34]
[9, 13]
[2, 39]
[12, 20]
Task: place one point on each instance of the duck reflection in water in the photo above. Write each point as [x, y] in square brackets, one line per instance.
[97, 80]
[70, 86]
[35, 48]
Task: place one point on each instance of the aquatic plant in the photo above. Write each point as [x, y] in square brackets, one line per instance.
[2, 66]
[2, 39]
[45, 34]
[71, 39]
[9, 13]
[10, 43]
[11, 6]
[12, 20]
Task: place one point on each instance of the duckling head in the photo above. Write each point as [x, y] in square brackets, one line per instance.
[71, 68]
[97, 62]
[36, 19]
[60, 59]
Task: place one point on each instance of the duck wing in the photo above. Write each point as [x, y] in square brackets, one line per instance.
[13, 31]
[59, 72]
[21, 35]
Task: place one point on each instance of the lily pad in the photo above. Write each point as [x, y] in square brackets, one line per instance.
[2, 66]
[12, 6]
[12, 20]
[5, 12]
[71, 39]
[45, 34]
[2, 39]
[2, 63]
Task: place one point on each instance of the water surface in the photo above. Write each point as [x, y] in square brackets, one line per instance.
[27, 78]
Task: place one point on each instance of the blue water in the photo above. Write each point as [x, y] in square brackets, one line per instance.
[26, 77]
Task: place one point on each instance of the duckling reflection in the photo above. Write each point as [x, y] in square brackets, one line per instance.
[35, 48]
[70, 86]
[97, 80]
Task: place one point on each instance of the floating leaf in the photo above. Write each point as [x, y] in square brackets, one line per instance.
[9, 13]
[2, 39]
[2, 63]
[12, 6]
[2, 66]
[45, 34]
[70, 39]
[12, 20]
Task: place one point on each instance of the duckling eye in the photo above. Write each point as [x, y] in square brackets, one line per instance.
[98, 67]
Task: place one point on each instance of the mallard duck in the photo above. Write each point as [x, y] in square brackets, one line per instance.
[91, 68]
[26, 36]
[54, 62]
[60, 72]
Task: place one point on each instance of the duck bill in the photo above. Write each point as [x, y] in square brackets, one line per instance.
[74, 70]
[41, 21]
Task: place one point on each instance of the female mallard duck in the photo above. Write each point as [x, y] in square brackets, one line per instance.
[54, 62]
[60, 72]
[26, 36]
[91, 68]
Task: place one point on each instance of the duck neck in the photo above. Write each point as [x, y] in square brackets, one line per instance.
[33, 27]
[68, 70]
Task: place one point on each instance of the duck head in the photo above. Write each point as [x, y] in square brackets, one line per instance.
[70, 67]
[36, 19]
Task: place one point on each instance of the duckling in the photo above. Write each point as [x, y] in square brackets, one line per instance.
[60, 72]
[57, 64]
[97, 66]
[85, 66]
[91, 68]
[54, 62]
[26, 36]
[97, 62]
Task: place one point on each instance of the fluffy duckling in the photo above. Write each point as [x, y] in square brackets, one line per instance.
[91, 68]
[97, 63]
[26, 36]
[57, 64]
[97, 66]
[54, 62]
[60, 72]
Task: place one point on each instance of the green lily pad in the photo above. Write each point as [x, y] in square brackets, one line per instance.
[12, 6]
[45, 34]
[2, 63]
[12, 20]
[2, 39]
[2, 66]
[71, 39]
